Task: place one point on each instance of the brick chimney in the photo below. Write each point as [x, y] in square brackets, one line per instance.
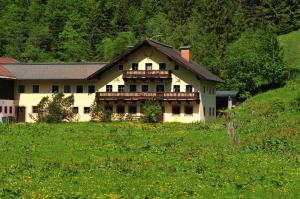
[185, 52]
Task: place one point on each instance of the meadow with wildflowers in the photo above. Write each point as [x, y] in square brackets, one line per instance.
[136, 160]
[169, 160]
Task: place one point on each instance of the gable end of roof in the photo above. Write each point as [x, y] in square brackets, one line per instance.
[167, 50]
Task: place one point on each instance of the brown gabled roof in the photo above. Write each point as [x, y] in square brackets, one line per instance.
[52, 71]
[173, 54]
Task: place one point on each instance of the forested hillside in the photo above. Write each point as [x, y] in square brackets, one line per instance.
[92, 30]
[218, 31]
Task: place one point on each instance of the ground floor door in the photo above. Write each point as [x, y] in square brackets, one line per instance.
[20, 114]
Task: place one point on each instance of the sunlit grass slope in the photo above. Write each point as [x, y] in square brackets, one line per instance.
[291, 45]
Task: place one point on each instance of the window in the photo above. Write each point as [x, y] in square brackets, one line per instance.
[109, 108]
[91, 89]
[176, 109]
[213, 111]
[204, 89]
[5, 109]
[160, 88]
[132, 109]
[176, 88]
[86, 110]
[21, 89]
[145, 88]
[75, 110]
[120, 67]
[108, 88]
[132, 88]
[34, 109]
[67, 89]
[55, 89]
[35, 88]
[188, 110]
[189, 88]
[120, 109]
[209, 111]
[121, 88]
[10, 109]
[79, 89]
[204, 111]
[135, 66]
[148, 66]
[162, 66]
[176, 67]
[0, 109]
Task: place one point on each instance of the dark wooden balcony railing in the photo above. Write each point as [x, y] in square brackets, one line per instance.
[147, 74]
[192, 96]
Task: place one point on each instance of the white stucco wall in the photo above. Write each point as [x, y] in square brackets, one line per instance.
[29, 99]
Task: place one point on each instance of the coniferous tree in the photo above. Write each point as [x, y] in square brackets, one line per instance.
[73, 46]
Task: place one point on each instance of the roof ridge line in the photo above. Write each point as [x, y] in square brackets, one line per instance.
[159, 43]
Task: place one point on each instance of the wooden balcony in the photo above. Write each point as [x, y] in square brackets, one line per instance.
[151, 74]
[135, 96]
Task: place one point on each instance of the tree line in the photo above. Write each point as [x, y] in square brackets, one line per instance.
[94, 30]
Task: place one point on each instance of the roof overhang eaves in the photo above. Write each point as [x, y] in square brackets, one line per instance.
[211, 80]
[4, 77]
[188, 68]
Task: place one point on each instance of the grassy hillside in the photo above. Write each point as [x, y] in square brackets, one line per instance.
[291, 45]
[273, 118]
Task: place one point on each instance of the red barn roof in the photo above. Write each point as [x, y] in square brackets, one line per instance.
[4, 73]
[8, 60]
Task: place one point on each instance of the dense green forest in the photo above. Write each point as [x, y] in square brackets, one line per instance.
[94, 30]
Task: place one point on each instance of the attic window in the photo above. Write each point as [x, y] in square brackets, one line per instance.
[189, 88]
[176, 67]
[135, 66]
[162, 66]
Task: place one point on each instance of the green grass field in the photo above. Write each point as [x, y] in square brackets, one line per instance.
[291, 45]
[88, 160]
[124, 160]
